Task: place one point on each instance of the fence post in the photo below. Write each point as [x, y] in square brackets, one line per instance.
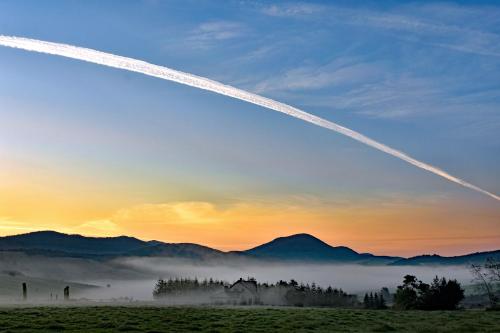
[25, 291]
[66, 293]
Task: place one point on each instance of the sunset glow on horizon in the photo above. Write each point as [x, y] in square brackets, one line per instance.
[101, 152]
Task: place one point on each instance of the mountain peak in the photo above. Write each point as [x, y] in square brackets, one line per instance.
[301, 236]
[302, 247]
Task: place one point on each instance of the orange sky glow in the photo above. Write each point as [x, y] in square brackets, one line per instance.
[394, 227]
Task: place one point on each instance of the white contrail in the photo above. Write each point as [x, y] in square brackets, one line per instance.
[165, 73]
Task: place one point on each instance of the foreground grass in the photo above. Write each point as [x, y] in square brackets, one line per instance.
[188, 319]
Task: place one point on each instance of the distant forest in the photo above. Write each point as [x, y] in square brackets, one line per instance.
[441, 294]
[251, 292]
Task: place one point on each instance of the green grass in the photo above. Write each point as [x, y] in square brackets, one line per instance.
[209, 319]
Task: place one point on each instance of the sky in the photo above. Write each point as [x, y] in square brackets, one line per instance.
[98, 151]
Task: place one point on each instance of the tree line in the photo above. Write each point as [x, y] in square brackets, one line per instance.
[374, 301]
[441, 294]
[314, 295]
[280, 293]
[178, 286]
[412, 294]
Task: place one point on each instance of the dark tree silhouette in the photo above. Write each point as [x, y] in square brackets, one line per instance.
[374, 301]
[440, 295]
[407, 294]
[25, 291]
[66, 293]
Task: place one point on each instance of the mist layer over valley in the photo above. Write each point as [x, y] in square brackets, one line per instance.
[135, 277]
[126, 268]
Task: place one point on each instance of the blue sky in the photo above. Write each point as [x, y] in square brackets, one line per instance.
[423, 78]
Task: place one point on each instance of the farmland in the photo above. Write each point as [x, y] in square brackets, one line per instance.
[240, 319]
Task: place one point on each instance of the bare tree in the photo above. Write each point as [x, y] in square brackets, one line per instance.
[493, 267]
[488, 277]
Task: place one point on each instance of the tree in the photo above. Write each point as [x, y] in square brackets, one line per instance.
[160, 288]
[487, 276]
[366, 301]
[493, 267]
[440, 295]
[374, 301]
[382, 304]
[406, 297]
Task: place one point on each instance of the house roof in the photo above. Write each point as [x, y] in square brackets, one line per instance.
[250, 285]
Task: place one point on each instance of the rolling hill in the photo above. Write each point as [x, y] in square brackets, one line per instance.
[51, 243]
[304, 247]
[456, 260]
[76, 244]
[294, 248]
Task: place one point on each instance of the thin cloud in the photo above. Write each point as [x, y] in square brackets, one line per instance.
[408, 96]
[464, 33]
[292, 10]
[209, 33]
[14, 226]
[103, 225]
[190, 212]
[340, 71]
[449, 36]
[388, 98]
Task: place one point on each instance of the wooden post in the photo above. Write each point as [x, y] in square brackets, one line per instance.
[25, 291]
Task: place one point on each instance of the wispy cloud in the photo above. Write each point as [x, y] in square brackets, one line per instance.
[340, 71]
[393, 79]
[409, 96]
[388, 98]
[209, 33]
[187, 212]
[6, 224]
[451, 36]
[292, 10]
[462, 31]
[94, 226]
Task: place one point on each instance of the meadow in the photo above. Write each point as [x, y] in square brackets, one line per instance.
[240, 319]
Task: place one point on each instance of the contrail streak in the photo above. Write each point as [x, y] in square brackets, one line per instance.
[165, 73]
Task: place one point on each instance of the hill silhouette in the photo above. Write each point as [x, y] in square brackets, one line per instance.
[77, 244]
[305, 247]
[435, 259]
[299, 247]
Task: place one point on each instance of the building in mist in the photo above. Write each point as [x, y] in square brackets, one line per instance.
[244, 292]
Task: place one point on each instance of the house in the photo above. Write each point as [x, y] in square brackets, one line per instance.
[243, 292]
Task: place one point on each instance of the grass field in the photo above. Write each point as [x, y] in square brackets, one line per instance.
[188, 319]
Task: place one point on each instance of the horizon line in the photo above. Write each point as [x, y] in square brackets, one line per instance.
[287, 236]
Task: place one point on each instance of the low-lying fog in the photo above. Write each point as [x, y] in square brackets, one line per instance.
[135, 277]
